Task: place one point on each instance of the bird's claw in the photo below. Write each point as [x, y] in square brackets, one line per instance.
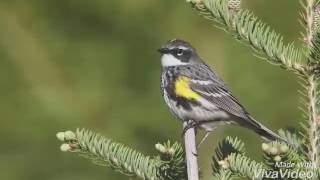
[191, 124]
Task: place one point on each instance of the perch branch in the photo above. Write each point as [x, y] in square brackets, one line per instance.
[191, 153]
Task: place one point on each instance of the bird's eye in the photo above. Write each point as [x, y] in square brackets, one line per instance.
[180, 52]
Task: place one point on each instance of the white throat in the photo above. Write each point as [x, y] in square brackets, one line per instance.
[169, 60]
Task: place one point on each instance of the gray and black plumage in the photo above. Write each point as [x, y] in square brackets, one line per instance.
[195, 92]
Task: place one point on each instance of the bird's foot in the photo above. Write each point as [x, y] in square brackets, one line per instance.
[191, 124]
[203, 139]
[195, 154]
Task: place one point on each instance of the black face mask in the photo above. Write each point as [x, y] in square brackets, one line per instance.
[183, 55]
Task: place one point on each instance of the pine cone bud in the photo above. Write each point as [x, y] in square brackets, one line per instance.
[234, 5]
[277, 158]
[69, 135]
[284, 148]
[160, 148]
[273, 151]
[265, 147]
[171, 151]
[65, 147]
[60, 136]
[224, 164]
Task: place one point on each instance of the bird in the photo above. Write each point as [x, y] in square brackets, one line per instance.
[195, 93]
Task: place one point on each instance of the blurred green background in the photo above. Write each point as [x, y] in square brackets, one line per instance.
[73, 63]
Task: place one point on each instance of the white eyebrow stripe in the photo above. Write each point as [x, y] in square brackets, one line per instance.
[182, 47]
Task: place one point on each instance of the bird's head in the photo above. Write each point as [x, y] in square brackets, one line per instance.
[177, 53]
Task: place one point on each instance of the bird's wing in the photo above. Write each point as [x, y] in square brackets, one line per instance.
[220, 96]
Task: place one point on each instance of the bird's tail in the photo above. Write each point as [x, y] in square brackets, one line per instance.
[264, 132]
[268, 134]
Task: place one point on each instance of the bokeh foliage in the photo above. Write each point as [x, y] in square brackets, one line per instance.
[67, 63]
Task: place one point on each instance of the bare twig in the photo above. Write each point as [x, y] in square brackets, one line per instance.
[191, 153]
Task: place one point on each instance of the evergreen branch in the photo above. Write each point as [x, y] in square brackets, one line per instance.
[223, 174]
[309, 19]
[253, 32]
[311, 131]
[307, 110]
[226, 147]
[103, 151]
[312, 12]
[244, 167]
[172, 161]
[275, 152]
[314, 57]
[313, 128]
[236, 143]
[293, 139]
[230, 161]
[315, 50]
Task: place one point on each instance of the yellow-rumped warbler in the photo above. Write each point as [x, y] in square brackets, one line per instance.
[195, 93]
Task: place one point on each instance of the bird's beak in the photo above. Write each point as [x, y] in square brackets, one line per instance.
[164, 50]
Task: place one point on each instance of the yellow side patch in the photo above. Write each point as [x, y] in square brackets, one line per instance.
[182, 89]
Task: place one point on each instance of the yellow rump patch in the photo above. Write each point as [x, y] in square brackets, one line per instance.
[182, 89]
